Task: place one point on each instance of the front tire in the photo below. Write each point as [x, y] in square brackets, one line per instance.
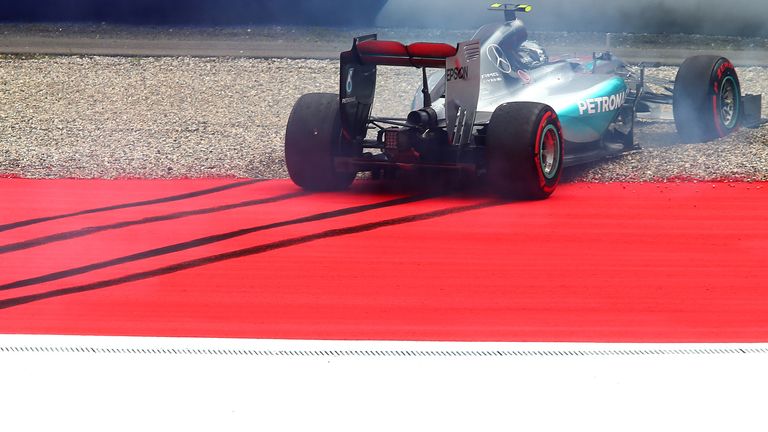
[525, 150]
[706, 98]
[312, 140]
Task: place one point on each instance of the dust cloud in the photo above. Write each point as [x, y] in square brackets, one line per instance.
[712, 17]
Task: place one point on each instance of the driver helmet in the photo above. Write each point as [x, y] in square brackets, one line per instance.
[515, 44]
[532, 55]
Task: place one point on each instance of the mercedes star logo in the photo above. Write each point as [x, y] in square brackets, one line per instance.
[497, 57]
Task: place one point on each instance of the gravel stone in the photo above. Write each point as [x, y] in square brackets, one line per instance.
[171, 117]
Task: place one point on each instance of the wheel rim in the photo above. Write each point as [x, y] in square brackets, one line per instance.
[729, 102]
[549, 153]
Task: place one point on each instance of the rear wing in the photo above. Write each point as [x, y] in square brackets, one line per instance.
[392, 53]
[357, 84]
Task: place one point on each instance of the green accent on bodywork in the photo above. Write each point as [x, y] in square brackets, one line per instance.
[590, 127]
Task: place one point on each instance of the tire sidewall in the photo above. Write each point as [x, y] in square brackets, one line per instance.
[548, 118]
[514, 140]
[723, 71]
[313, 138]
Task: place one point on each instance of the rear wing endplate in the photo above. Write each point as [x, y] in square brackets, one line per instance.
[462, 91]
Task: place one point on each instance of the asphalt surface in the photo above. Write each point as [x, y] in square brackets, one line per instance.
[326, 43]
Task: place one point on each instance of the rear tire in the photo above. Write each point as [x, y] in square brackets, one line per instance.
[312, 139]
[525, 150]
[706, 98]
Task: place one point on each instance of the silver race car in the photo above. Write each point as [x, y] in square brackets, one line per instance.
[499, 109]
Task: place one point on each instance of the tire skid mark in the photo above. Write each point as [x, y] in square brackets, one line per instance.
[168, 199]
[204, 241]
[240, 253]
[69, 235]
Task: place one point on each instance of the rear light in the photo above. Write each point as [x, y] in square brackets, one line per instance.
[390, 141]
[397, 145]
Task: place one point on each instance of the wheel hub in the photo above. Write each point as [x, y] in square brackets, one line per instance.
[549, 153]
[728, 102]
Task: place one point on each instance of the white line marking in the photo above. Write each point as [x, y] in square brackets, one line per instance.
[122, 383]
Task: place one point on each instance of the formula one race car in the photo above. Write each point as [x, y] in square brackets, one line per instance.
[499, 109]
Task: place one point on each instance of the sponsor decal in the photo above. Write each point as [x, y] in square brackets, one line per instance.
[491, 77]
[461, 73]
[349, 80]
[723, 68]
[496, 56]
[602, 104]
